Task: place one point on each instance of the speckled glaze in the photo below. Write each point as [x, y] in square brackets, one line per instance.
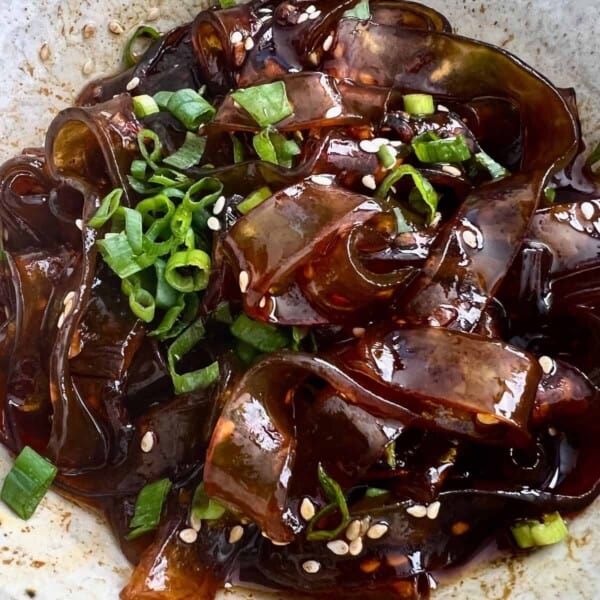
[64, 552]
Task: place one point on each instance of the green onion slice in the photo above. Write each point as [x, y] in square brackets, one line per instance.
[429, 148]
[144, 106]
[142, 304]
[496, 170]
[181, 223]
[550, 194]
[419, 104]
[531, 533]
[268, 103]
[190, 153]
[188, 270]
[361, 10]
[162, 99]
[139, 169]
[387, 156]
[27, 482]
[118, 254]
[205, 508]
[151, 157]
[207, 189]
[131, 58]
[189, 107]
[238, 149]
[265, 337]
[199, 379]
[165, 296]
[264, 147]
[254, 199]
[107, 209]
[148, 508]
[428, 195]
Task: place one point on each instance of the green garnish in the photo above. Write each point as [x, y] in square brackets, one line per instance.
[144, 106]
[189, 107]
[550, 194]
[265, 337]
[387, 156]
[531, 533]
[205, 508]
[496, 170]
[430, 148]
[190, 153]
[361, 10]
[419, 104]
[267, 104]
[131, 58]
[254, 199]
[148, 508]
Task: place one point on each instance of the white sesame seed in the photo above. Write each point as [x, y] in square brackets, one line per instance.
[364, 525]
[293, 70]
[353, 530]
[264, 11]
[442, 108]
[236, 37]
[469, 238]
[377, 531]
[311, 566]
[133, 84]
[236, 534]
[68, 301]
[436, 219]
[249, 44]
[334, 112]
[79, 224]
[88, 67]
[263, 302]
[380, 141]
[227, 585]
[576, 225]
[44, 52]
[311, 9]
[587, 210]
[338, 547]
[552, 431]
[368, 146]
[433, 510]
[280, 543]
[61, 320]
[195, 522]
[358, 331]
[322, 179]
[369, 182]
[219, 205]
[147, 442]
[116, 27]
[417, 510]
[547, 364]
[328, 43]
[213, 224]
[356, 547]
[314, 15]
[561, 216]
[266, 18]
[302, 18]
[153, 14]
[244, 281]
[189, 536]
[89, 30]
[307, 509]
[454, 171]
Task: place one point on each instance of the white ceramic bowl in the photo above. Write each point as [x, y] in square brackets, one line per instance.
[64, 552]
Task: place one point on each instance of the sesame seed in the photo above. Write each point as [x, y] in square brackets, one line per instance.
[195, 522]
[587, 210]
[328, 43]
[314, 15]
[116, 27]
[264, 11]
[302, 18]
[487, 419]
[454, 171]
[189, 536]
[44, 52]
[88, 67]
[356, 547]
[334, 112]
[89, 31]
[353, 530]
[547, 364]
[552, 431]
[307, 509]
[153, 14]
[561, 216]
[364, 525]
[68, 301]
[378, 530]
[147, 442]
[227, 585]
[368, 146]
[213, 224]
[280, 543]
[436, 219]
[311, 566]
[266, 18]
[369, 182]
[133, 84]
[469, 238]
[236, 37]
[219, 205]
[442, 108]
[61, 320]
[293, 70]
[576, 225]
[263, 302]
[249, 44]
[311, 9]
[358, 331]
[338, 547]
[433, 510]
[322, 180]
[79, 224]
[417, 510]
[244, 281]
[380, 141]
[236, 534]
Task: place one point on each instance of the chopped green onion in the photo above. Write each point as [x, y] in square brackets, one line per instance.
[419, 104]
[275, 148]
[155, 155]
[118, 254]
[132, 58]
[532, 533]
[142, 304]
[205, 508]
[202, 378]
[188, 270]
[246, 353]
[337, 500]
[550, 194]
[222, 313]
[254, 199]
[181, 223]
[429, 196]
[27, 482]
[139, 169]
[148, 508]
[361, 10]
[268, 103]
[376, 492]
[144, 106]
[166, 296]
[238, 149]
[107, 209]
[190, 153]
[298, 334]
[131, 221]
[429, 148]
[387, 156]
[265, 337]
[157, 213]
[264, 147]
[162, 99]
[208, 188]
[496, 170]
[189, 107]
[390, 455]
